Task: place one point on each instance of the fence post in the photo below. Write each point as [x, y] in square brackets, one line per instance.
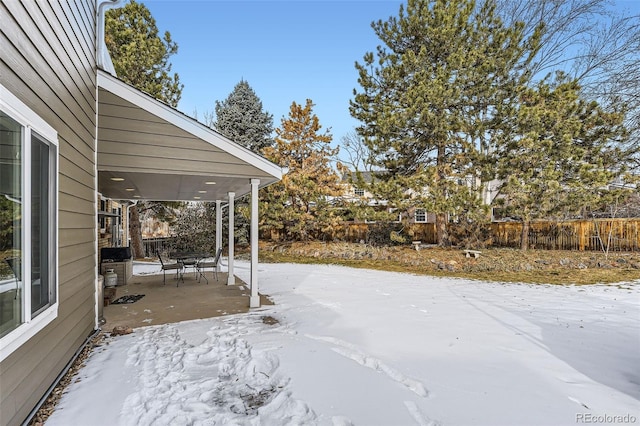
[581, 235]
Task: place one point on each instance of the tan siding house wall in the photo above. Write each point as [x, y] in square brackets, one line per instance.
[47, 53]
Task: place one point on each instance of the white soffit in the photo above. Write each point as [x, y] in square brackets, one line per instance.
[155, 152]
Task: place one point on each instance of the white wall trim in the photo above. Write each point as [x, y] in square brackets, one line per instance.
[26, 331]
[24, 115]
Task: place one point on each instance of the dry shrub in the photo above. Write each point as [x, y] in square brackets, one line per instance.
[549, 266]
[470, 234]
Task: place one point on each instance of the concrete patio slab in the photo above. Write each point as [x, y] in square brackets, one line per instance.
[168, 303]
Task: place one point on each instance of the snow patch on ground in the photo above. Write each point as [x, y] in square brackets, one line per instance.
[358, 347]
[221, 380]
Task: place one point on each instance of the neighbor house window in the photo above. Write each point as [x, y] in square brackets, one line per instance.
[420, 216]
[359, 192]
[28, 236]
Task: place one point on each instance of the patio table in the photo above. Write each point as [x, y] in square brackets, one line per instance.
[189, 259]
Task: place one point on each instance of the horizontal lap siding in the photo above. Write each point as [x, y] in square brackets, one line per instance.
[159, 163]
[47, 60]
[132, 138]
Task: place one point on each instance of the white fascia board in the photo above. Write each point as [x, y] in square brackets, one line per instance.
[184, 122]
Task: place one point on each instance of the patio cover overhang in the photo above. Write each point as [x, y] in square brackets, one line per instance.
[163, 155]
[148, 150]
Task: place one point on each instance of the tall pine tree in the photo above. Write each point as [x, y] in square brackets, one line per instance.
[429, 94]
[139, 55]
[141, 58]
[241, 118]
[299, 205]
[558, 153]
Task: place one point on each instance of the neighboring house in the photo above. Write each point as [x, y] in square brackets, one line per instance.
[154, 228]
[353, 193]
[620, 183]
[628, 208]
[420, 215]
[113, 223]
[70, 130]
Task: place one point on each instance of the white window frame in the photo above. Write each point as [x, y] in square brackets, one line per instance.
[33, 123]
[358, 192]
[415, 215]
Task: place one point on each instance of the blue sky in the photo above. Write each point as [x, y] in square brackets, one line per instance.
[287, 50]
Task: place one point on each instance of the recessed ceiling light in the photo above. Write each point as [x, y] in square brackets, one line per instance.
[130, 189]
[136, 196]
[196, 198]
[117, 179]
[210, 183]
[202, 192]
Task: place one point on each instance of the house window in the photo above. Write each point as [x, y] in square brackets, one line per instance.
[28, 236]
[420, 216]
[101, 218]
[359, 192]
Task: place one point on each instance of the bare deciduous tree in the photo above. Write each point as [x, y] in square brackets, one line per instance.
[357, 152]
[594, 42]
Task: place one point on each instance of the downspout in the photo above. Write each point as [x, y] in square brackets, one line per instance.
[103, 59]
[218, 230]
[129, 204]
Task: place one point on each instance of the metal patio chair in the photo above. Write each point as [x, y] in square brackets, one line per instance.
[177, 266]
[201, 265]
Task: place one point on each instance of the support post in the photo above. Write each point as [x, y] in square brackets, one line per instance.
[231, 279]
[218, 229]
[254, 301]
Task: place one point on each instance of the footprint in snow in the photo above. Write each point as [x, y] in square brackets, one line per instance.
[352, 352]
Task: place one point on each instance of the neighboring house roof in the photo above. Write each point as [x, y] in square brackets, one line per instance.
[367, 177]
[620, 183]
[164, 155]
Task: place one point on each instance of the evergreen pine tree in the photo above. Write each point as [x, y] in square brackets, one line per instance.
[300, 204]
[240, 118]
[141, 58]
[428, 98]
[139, 55]
[559, 154]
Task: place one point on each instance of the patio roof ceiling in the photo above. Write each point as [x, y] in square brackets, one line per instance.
[148, 150]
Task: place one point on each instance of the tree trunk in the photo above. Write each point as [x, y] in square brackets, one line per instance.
[524, 236]
[135, 231]
[441, 229]
[441, 218]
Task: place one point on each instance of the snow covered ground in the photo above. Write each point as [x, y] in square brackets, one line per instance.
[359, 347]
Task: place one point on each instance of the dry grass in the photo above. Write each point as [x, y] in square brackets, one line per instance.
[506, 265]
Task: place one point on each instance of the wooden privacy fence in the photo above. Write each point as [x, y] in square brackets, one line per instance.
[371, 233]
[596, 234]
[381, 231]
